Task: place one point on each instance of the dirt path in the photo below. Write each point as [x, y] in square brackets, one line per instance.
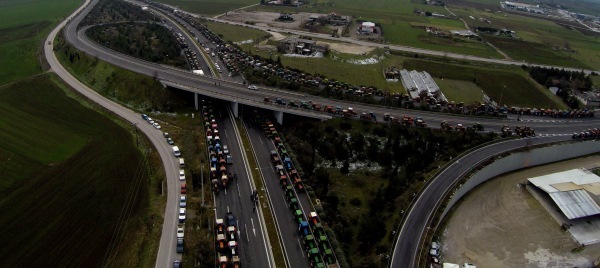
[500, 224]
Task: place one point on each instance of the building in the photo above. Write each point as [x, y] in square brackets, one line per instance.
[463, 33]
[572, 198]
[295, 45]
[522, 7]
[418, 84]
[367, 28]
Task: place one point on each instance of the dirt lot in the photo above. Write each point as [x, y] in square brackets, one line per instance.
[500, 224]
[268, 18]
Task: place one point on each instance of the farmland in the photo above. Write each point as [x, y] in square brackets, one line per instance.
[460, 90]
[400, 25]
[235, 33]
[209, 7]
[23, 24]
[540, 40]
[510, 87]
[68, 171]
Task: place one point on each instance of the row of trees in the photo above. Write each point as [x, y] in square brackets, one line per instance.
[566, 81]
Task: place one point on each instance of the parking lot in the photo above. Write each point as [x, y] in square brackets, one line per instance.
[500, 224]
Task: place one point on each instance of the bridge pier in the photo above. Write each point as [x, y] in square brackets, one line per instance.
[278, 116]
[196, 101]
[234, 108]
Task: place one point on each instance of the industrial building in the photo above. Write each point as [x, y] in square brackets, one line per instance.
[572, 198]
[295, 45]
[418, 84]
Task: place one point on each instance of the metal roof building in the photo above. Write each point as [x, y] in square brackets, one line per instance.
[576, 192]
[416, 82]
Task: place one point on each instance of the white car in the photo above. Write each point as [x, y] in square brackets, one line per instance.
[181, 215]
[156, 125]
[225, 149]
[253, 87]
[150, 120]
[180, 232]
[181, 175]
[182, 201]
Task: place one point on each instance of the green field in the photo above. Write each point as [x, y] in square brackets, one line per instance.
[540, 41]
[235, 33]
[511, 87]
[67, 171]
[460, 90]
[400, 25]
[23, 25]
[209, 7]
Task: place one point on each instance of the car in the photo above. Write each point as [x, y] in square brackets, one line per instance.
[229, 159]
[165, 134]
[182, 175]
[170, 141]
[183, 188]
[156, 125]
[212, 54]
[145, 117]
[180, 232]
[230, 219]
[149, 120]
[182, 201]
[181, 215]
[225, 149]
[177, 263]
[253, 87]
[179, 248]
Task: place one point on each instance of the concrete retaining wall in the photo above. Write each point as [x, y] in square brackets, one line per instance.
[520, 160]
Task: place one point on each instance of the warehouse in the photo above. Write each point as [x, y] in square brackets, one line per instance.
[572, 198]
[418, 84]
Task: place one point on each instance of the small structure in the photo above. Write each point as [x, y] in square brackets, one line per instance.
[367, 28]
[285, 17]
[418, 84]
[463, 33]
[337, 19]
[300, 46]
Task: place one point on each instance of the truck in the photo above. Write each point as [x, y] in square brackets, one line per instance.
[296, 180]
[368, 116]
[313, 218]
[221, 243]
[235, 261]
[506, 131]
[219, 226]
[315, 258]
[289, 193]
[280, 101]
[283, 181]
[223, 261]
[231, 233]
[407, 121]
[419, 122]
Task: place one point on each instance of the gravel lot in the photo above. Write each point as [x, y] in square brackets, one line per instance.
[500, 224]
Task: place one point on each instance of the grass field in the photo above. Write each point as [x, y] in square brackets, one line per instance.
[23, 24]
[235, 33]
[511, 87]
[596, 80]
[209, 7]
[400, 25]
[460, 90]
[70, 171]
[541, 41]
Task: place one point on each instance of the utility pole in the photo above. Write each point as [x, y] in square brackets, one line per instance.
[202, 183]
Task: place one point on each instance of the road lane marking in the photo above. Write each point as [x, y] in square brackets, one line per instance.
[253, 229]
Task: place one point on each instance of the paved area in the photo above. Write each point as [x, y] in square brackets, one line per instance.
[500, 224]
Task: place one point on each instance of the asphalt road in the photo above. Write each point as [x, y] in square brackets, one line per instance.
[288, 228]
[406, 248]
[252, 248]
[390, 46]
[416, 222]
[168, 241]
[234, 91]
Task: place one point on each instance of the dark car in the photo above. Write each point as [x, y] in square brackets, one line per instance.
[231, 219]
[145, 117]
[179, 248]
[177, 264]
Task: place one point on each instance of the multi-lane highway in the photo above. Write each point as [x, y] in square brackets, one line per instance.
[252, 240]
[409, 237]
[234, 91]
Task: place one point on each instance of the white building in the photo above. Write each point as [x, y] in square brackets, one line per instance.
[367, 28]
[416, 83]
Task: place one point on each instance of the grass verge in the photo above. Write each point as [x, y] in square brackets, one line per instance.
[258, 181]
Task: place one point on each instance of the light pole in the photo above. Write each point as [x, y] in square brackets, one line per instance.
[202, 183]
[502, 94]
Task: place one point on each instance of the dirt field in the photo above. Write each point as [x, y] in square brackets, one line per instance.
[500, 224]
[268, 18]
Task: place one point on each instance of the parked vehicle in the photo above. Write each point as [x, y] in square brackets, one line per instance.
[182, 175]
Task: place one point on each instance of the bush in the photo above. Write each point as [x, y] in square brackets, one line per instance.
[355, 202]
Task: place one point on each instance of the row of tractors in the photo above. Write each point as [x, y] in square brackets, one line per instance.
[589, 134]
[315, 241]
[219, 158]
[519, 131]
[227, 245]
[445, 125]
[225, 233]
[404, 121]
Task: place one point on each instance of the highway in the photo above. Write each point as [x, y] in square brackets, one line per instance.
[229, 90]
[171, 165]
[408, 238]
[252, 248]
[416, 222]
